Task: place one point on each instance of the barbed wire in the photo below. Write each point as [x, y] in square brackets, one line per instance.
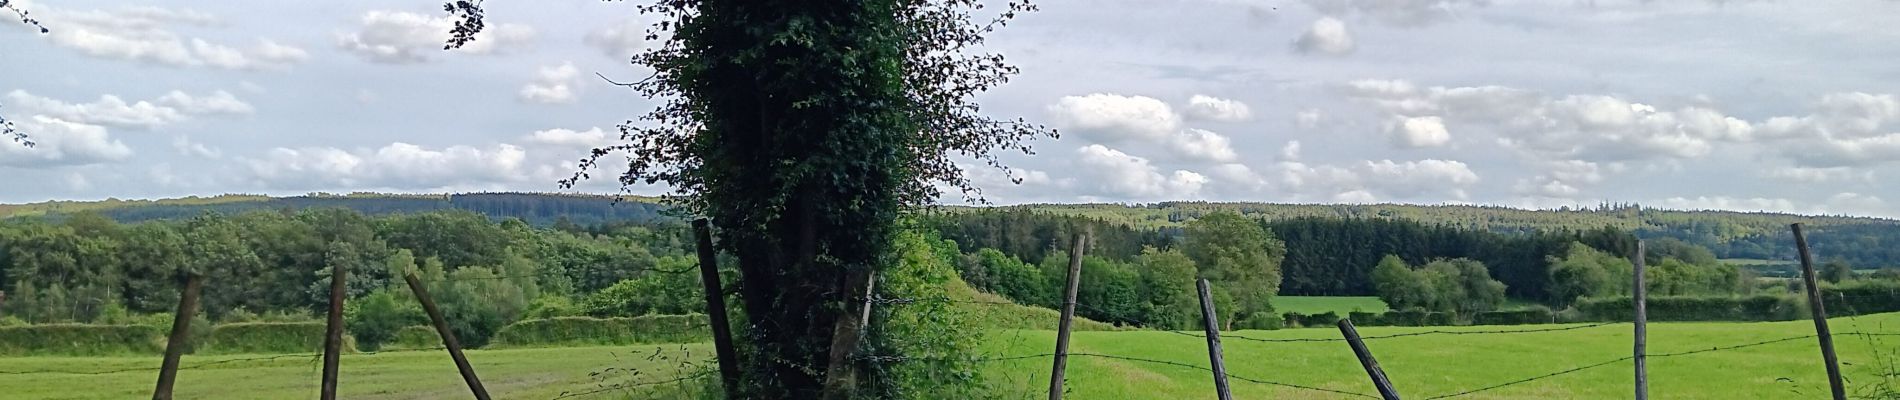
[888, 301]
[624, 386]
[1230, 375]
[206, 364]
[1426, 333]
[1624, 358]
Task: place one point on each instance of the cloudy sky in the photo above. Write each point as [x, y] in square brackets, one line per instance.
[1742, 105]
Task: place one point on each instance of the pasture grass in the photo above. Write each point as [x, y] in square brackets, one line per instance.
[1434, 365]
[507, 374]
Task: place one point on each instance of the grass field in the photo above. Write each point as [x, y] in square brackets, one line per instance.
[508, 374]
[1420, 366]
[1320, 304]
[1433, 365]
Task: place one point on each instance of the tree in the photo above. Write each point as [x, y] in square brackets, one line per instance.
[1167, 284]
[1238, 254]
[1397, 285]
[1582, 272]
[1836, 271]
[802, 130]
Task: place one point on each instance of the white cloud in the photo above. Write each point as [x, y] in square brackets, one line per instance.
[552, 85]
[1414, 178]
[113, 111]
[63, 143]
[1404, 13]
[398, 37]
[1204, 145]
[1117, 116]
[587, 139]
[1291, 151]
[185, 146]
[620, 41]
[219, 102]
[1820, 175]
[1327, 36]
[1111, 172]
[1417, 132]
[141, 34]
[1208, 108]
[1591, 127]
[1375, 180]
[395, 166]
[1308, 118]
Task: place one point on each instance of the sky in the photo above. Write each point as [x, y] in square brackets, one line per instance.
[1691, 104]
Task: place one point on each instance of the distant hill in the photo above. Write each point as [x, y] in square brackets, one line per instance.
[1863, 241]
[535, 208]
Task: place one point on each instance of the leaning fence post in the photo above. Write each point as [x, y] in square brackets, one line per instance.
[181, 330]
[1365, 360]
[716, 309]
[841, 376]
[1641, 299]
[1057, 371]
[1213, 340]
[448, 337]
[1820, 315]
[333, 338]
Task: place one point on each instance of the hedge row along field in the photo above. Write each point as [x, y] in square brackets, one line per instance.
[270, 338]
[80, 340]
[572, 331]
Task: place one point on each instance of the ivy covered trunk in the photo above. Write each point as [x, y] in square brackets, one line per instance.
[806, 145]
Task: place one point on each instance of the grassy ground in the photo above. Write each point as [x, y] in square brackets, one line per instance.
[1434, 365]
[1420, 366]
[508, 374]
[1320, 304]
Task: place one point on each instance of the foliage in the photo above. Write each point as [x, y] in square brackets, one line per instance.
[1861, 297]
[1167, 288]
[1697, 308]
[654, 293]
[1237, 254]
[577, 331]
[475, 301]
[1583, 272]
[414, 337]
[941, 334]
[551, 306]
[269, 338]
[1533, 315]
[1459, 286]
[81, 340]
[375, 319]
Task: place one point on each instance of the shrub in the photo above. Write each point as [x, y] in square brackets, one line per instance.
[1417, 317]
[1319, 320]
[270, 338]
[374, 319]
[81, 340]
[1533, 315]
[551, 306]
[1262, 321]
[1861, 297]
[414, 337]
[1361, 318]
[566, 331]
[1688, 308]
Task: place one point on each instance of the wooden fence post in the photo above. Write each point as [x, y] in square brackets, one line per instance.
[1641, 299]
[181, 331]
[333, 338]
[1212, 321]
[1820, 315]
[841, 376]
[448, 337]
[1057, 372]
[1365, 360]
[716, 309]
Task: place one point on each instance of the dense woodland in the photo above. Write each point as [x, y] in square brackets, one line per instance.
[270, 259]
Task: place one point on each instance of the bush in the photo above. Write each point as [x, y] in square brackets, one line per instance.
[374, 319]
[1262, 321]
[1361, 318]
[551, 306]
[1319, 320]
[1534, 315]
[270, 338]
[1688, 308]
[1861, 297]
[567, 331]
[414, 337]
[1417, 317]
[81, 340]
